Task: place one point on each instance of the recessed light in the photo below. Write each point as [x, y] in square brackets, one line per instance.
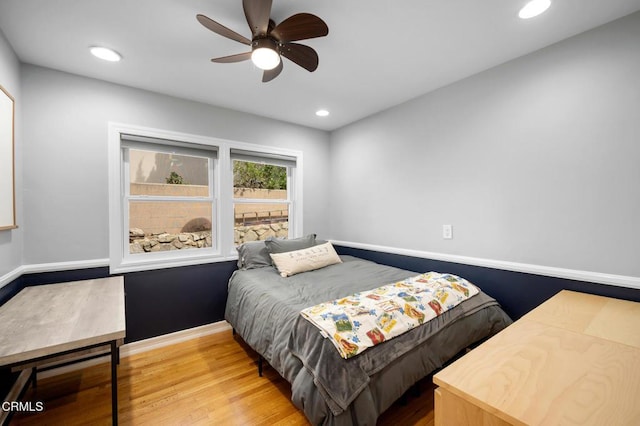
[534, 8]
[322, 113]
[105, 53]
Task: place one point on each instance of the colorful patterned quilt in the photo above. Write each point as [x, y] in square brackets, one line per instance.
[365, 319]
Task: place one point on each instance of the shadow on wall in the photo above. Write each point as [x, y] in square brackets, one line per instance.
[197, 225]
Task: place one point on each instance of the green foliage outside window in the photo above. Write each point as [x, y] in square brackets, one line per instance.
[262, 176]
[175, 179]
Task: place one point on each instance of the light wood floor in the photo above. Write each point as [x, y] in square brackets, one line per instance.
[205, 381]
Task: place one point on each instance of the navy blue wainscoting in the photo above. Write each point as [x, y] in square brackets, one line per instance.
[42, 278]
[168, 300]
[516, 292]
[10, 289]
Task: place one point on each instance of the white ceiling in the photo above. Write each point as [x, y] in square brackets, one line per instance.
[378, 53]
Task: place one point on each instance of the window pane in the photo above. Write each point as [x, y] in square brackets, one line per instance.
[259, 221]
[259, 181]
[167, 174]
[169, 225]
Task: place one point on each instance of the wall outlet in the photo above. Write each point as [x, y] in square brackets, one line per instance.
[447, 232]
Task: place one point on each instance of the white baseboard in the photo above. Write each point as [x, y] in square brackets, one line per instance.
[173, 338]
[549, 271]
[571, 274]
[65, 266]
[51, 267]
[11, 276]
[141, 346]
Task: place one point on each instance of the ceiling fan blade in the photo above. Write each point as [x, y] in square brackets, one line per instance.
[257, 13]
[269, 75]
[232, 58]
[302, 55]
[300, 26]
[222, 30]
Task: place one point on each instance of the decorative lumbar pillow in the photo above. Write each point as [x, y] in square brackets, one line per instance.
[308, 259]
[253, 255]
[275, 245]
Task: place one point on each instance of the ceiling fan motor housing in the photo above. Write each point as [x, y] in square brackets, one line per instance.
[264, 43]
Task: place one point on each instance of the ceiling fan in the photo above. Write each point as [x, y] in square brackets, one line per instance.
[270, 41]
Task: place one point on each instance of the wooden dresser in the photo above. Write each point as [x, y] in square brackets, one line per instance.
[574, 360]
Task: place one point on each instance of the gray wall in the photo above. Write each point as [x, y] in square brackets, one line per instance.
[535, 161]
[65, 142]
[11, 241]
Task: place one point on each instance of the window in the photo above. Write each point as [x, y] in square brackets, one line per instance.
[177, 199]
[261, 197]
[169, 197]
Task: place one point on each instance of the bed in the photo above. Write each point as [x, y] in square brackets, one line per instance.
[264, 308]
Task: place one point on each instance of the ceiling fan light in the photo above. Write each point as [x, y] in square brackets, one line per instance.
[534, 8]
[264, 53]
[265, 58]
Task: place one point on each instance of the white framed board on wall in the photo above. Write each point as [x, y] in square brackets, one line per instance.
[7, 172]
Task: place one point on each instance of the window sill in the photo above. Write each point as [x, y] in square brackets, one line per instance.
[163, 262]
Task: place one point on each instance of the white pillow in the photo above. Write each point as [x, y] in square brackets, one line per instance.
[308, 259]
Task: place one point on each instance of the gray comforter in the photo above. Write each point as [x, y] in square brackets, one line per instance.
[264, 309]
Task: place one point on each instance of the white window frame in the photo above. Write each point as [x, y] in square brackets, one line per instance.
[223, 248]
[276, 160]
[166, 148]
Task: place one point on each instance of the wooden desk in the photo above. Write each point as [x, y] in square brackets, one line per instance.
[574, 360]
[51, 322]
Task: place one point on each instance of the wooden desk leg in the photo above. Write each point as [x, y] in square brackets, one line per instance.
[114, 383]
